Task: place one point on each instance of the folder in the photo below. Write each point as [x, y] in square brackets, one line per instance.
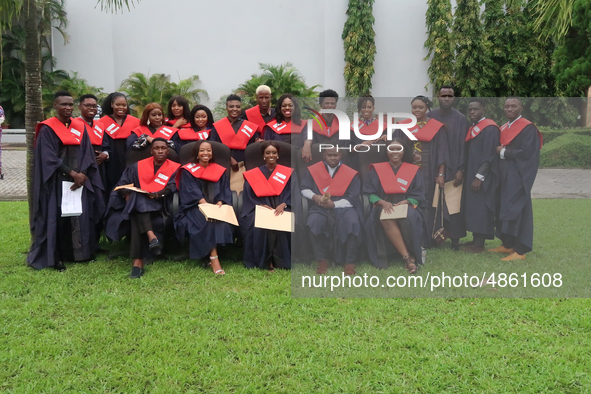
[400, 212]
[71, 200]
[265, 218]
[453, 197]
[224, 213]
[132, 188]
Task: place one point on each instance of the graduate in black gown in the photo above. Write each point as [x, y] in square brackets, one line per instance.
[270, 186]
[236, 134]
[368, 123]
[177, 113]
[430, 153]
[199, 182]
[390, 184]
[117, 125]
[519, 154]
[456, 127]
[152, 126]
[334, 217]
[144, 214]
[482, 176]
[63, 154]
[287, 126]
[322, 134]
[200, 122]
[263, 112]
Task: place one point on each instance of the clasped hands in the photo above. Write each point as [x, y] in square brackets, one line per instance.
[324, 203]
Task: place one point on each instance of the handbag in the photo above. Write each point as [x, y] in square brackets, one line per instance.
[441, 235]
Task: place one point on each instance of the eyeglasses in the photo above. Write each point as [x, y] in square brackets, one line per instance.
[90, 106]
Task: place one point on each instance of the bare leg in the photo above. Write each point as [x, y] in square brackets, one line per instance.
[150, 235]
[138, 263]
[394, 235]
[215, 262]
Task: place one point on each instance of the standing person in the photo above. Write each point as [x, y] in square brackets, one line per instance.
[88, 107]
[269, 185]
[262, 113]
[287, 125]
[2, 119]
[117, 125]
[237, 134]
[519, 154]
[322, 134]
[145, 214]
[482, 176]
[368, 122]
[334, 217]
[199, 182]
[177, 113]
[456, 127]
[389, 184]
[63, 154]
[201, 123]
[430, 153]
[151, 126]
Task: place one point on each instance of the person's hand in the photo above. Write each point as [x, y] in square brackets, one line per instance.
[499, 149]
[219, 204]
[100, 157]
[386, 206]
[316, 198]
[126, 196]
[458, 178]
[179, 123]
[403, 202]
[266, 206]
[149, 139]
[328, 204]
[79, 179]
[234, 164]
[259, 139]
[307, 151]
[280, 208]
[440, 181]
[475, 186]
[154, 195]
[202, 201]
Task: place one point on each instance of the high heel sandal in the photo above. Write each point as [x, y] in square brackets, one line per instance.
[220, 271]
[409, 264]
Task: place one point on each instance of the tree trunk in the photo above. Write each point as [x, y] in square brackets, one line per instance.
[34, 103]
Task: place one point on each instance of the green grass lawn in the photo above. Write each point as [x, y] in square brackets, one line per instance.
[180, 329]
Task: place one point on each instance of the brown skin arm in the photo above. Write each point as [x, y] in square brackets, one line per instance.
[475, 186]
[458, 178]
[439, 179]
[79, 179]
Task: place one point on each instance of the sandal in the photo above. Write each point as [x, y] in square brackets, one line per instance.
[220, 271]
[409, 264]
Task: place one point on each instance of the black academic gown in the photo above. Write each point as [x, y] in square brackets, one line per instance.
[294, 139]
[480, 207]
[518, 172]
[336, 226]
[179, 142]
[189, 221]
[434, 153]
[117, 149]
[413, 228]
[237, 154]
[119, 211]
[55, 238]
[456, 127]
[134, 137]
[260, 245]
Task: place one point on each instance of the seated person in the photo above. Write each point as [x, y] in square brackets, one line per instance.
[199, 182]
[287, 125]
[146, 212]
[334, 216]
[390, 184]
[151, 127]
[269, 185]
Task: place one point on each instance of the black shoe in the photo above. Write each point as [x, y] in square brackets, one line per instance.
[136, 272]
[155, 247]
[59, 267]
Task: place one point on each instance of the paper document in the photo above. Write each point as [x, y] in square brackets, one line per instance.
[132, 188]
[400, 212]
[71, 200]
[224, 213]
[452, 195]
[265, 218]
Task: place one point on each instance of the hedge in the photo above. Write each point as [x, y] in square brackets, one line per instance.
[566, 148]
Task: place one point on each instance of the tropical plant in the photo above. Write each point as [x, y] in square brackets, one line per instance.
[284, 78]
[360, 48]
[157, 88]
[439, 43]
[554, 17]
[573, 56]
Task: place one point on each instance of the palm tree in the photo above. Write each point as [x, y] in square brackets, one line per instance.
[554, 17]
[29, 9]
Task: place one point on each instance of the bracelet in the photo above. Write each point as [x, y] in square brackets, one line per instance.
[441, 175]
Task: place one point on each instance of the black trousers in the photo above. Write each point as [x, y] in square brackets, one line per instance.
[510, 241]
[141, 223]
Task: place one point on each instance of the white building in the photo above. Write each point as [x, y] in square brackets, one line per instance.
[223, 41]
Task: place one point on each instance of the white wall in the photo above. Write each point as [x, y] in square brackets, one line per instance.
[223, 41]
